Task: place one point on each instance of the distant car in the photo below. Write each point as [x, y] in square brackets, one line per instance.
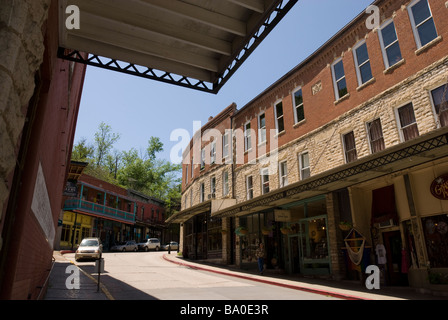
[129, 245]
[174, 245]
[149, 244]
[89, 248]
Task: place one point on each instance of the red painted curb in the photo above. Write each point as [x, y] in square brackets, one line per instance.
[289, 286]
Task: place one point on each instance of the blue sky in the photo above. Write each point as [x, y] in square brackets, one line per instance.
[138, 108]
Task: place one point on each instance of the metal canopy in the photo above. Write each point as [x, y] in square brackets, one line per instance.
[197, 44]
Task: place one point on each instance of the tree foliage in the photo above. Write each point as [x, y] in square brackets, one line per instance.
[144, 172]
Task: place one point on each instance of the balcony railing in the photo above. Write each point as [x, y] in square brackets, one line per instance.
[99, 209]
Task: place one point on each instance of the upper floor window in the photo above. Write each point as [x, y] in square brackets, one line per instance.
[349, 147]
[407, 123]
[422, 22]
[279, 117]
[225, 183]
[375, 133]
[340, 85]
[202, 158]
[225, 145]
[247, 137]
[249, 187]
[304, 165]
[191, 197]
[299, 113]
[186, 174]
[262, 128]
[389, 44]
[362, 63]
[264, 180]
[213, 152]
[283, 173]
[440, 103]
[202, 192]
[213, 186]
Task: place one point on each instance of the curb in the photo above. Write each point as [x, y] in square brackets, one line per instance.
[289, 286]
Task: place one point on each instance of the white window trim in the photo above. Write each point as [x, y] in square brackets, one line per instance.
[186, 174]
[260, 129]
[383, 49]
[202, 159]
[357, 65]
[335, 81]
[247, 187]
[296, 121]
[226, 147]
[301, 168]
[397, 118]
[344, 149]
[262, 174]
[246, 139]
[225, 184]
[280, 175]
[213, 152]
[368, 133]
[436, 116]
[213, 185]
[276, 118]
[414, 26]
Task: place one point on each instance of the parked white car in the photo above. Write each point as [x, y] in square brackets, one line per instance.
[89, 248]
[129, 245]
[149, 244]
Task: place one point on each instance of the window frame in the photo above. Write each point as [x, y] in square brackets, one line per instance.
[212, 152]
[295, 107]
[283, 175]
[249, 191]
[247, 137]
[263, 174]
[431, 97]
[415, 27]
[202, 159]
[336, 81]
[213, 186]
[225, 183]
[344, 145]
[383, 48]
[226, 146]
[202, 191]
[399, 124]
[301, 167]
[358, 66]
[282, 117]
[370, 138]
[262, 130]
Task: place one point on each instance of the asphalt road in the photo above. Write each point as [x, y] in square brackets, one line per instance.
[148, 276]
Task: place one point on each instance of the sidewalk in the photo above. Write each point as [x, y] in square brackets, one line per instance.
[57, 287]
[348, 290]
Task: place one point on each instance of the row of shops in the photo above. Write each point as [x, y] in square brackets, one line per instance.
[390, 210]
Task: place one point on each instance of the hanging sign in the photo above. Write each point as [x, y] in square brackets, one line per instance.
[439, 187]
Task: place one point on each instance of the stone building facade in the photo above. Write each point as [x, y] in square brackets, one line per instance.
[353, 136]
[39, 103]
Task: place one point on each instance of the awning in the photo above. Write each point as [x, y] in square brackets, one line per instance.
[192, 43]
[186, 214]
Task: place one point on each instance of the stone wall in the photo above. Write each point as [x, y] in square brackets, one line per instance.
[22, 49]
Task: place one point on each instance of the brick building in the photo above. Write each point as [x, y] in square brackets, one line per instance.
[354, 136]
[114, 214]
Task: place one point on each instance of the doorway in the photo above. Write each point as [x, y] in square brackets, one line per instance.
[294, 247]
[393, 245]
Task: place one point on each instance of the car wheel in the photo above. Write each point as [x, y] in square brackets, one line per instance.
[135, 249]
[146, 249]
[157, 248]
[124, 249]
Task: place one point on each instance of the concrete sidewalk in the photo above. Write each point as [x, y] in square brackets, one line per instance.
[57, 287]
[348, 290]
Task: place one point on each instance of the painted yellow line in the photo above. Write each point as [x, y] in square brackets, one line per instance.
[103, 287]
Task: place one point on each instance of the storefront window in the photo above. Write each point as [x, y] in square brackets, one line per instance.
[436, 236]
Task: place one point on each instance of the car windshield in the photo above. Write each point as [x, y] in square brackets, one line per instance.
[88, 243]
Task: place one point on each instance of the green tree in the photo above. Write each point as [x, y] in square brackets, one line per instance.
[83, 151]
[104, 141]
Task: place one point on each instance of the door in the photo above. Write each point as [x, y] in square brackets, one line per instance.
[393, 245]
[294, 245]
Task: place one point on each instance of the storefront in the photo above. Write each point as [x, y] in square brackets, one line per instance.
[75, 227]
[305, 240]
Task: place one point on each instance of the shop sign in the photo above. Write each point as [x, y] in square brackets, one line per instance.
[282, 215]
[439, 187]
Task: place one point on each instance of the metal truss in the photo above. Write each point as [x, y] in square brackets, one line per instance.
[150, 73]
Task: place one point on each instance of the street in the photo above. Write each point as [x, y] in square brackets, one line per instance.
[148, 276]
